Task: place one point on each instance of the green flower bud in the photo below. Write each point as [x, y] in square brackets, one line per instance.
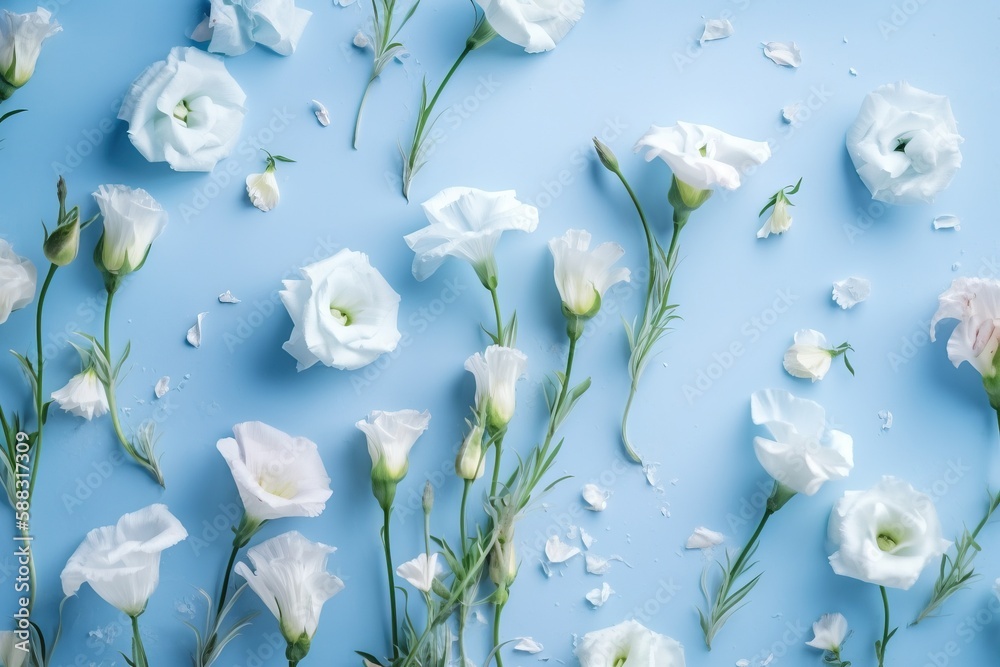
[608, 158]
[428, 499]
[470, 464]
[63, 244]
[297, 649]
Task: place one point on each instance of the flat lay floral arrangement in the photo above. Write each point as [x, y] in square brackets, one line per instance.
[598, 332]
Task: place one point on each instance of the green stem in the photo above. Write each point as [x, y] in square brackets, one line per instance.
[650, 239]
[387, 513]
[361, 108]
[745, 553]
[562, 394]
[138, 651]
[465, 52]
[497, 455]
[629, 449]
[225, 580]
[880, 649]
[496, 311]
[461, 634]
[465, 496]
[497, 610]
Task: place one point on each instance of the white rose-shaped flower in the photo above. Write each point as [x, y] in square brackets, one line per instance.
[886, 535]
[18, 279]
[10, 654]
[497, 372]
[186, 110]
[84, 395]
[536, 25]
[21, 37]
[263, 190]
[132, 221]
[583, 275]
[420, 571]
[629, 644]
[467, 223]
[234, 26]
[975, 303]
[829, 632]
[290, 578]
[344, 313]
[277, 475]
[905, 144]
[802, 453]
[122, 562]
[702, 156]
[809, 356]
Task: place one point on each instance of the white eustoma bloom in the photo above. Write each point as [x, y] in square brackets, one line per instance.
[975, 303]
[886, 535]
[905, 144]
[290, 578]
[702, 156]
[467, 223]
[132, 221]
[263, 190]
[536, 25]
[234, 26]
[779, 222]
[122, 562]
[809, 356]
[629, 644]
[829, 632]
[583, 275]
[802, 452]
[84, 395]
[10, 654]
[390, 437]
[277, 475]
[21, 37]
[186, 110]
[420, 571]
[18, 279]
[344, 313]
[497, 372]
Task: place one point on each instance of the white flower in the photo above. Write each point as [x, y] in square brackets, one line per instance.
[277, 475]
[536, 25]
[905, 144]
[234, 26]
[186, 110]
[629, 644]
[390, 436]
[497, 373]
[809, 357]
[470, 464]
[467, 223]
[829, 632]
[975, 303]
[122, 562]
[291, 579]
[704, 538]
[132, 221]
[18, 278]
[263, 190]
[779, 222]
[344, 313]
[582, 275]
[10, 654]
[21, 37]
[803, 453]
[420, 571]
[886, 535]
[702, 156]
[84, 395]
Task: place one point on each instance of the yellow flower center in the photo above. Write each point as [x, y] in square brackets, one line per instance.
[342, 317]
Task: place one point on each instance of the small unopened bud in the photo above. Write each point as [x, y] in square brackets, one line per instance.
[608, 158]
[503, 562]
[428, 498]
[470, 463]
[63, 244]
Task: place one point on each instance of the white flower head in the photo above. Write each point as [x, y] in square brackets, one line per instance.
[829, 632]
[779, 222]
[186, 110]
[905, 144]
[390, 437]
[122, 562]
[10, 654]
[84, 395]
[277, 475]
[290, 578]
[132, 221]
[21, 37]
[344, 313]
[467, 223]
[421, 571]
[629, 644]
[802, 453]
[975, 303]
[234, 26]
[583, 275]
[536, 25]
[702, 156]
[18, 279]
[886, 535]
[810, 355]
[263, 190]
[497, 372]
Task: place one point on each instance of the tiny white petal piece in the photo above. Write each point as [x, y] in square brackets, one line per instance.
[716, 29]
[786, 54]
[162, 386]
[528, 645]
[596, 497]
[852, 72]
[851, 291]
[227, 297]
[361, 40]
[599, 596]
[587, 539]
[194, 333]
[558, 551]
[322, 113]
[886, 418]
[597, 564]
[947, 222]
[703, 538]
[344, 3]
[790, 113]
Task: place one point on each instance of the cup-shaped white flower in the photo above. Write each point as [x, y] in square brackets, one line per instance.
[122, 562]
[290, 578]
[629, 644]
[905, 144]
[421, 571]
[975, 303]
[132, 221]
[186, 110]
[467, 223]
[810, 356]
[10, 654]
[802, 452]
[84, 395]
[886, 535]
[536, 25]
[497, 372]
[263, 190]
[234, 26]
[344, 313]
[277, 475]
[390, 437]
[829, 632]
[18, 279]
[21, 37]
[583, 275]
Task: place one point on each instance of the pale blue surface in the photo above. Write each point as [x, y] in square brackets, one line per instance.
[625, 66]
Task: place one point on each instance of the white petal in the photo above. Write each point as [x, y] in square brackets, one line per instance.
[829, 632]
[783, 53]
[851, 291]
[886, 418]
[194, 333]
[18, 278]
[227, 297]
[322, 113]
[947, 222]
[361, 40]
[162, 386]
[599, 596]
[703, 538]
[538, 25]
[790, 113]
[587, 539]
[528, 645]
[558, 551]
[595, 497]
[716, 29]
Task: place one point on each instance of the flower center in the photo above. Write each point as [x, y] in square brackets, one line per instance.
[619, 661]
[181, 111]
[901, 145]
[342, 317]
[886, 541]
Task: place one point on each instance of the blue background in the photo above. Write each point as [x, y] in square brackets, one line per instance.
[523, 122]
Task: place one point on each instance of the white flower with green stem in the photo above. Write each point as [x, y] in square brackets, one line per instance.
[263, 188]
[780, 220]
[829, 634]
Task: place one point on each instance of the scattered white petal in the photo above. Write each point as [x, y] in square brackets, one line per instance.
[361, 40]
[768, 660]
[587, 539]
[528, 645]
[344, 3]
[886, 418]
[597, 565]
[786, 54]
[852, 72]
[791, 113]
[845, 39]
[947, 222]
[572, 532]
[227, 297]
[545, 568]
[716, 29]
[651, 472]
[703, 538]
[743, 662]
[596, 497]
[322, 113]
[851, 291]
[665, 511]
[599, 596]
[162, 386]
[194, 333]
[558, 551]
[479, 617]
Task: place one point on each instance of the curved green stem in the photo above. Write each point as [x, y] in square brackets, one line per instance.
[629, 449]
[387, 513]
[744, 554]
[361, 109]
